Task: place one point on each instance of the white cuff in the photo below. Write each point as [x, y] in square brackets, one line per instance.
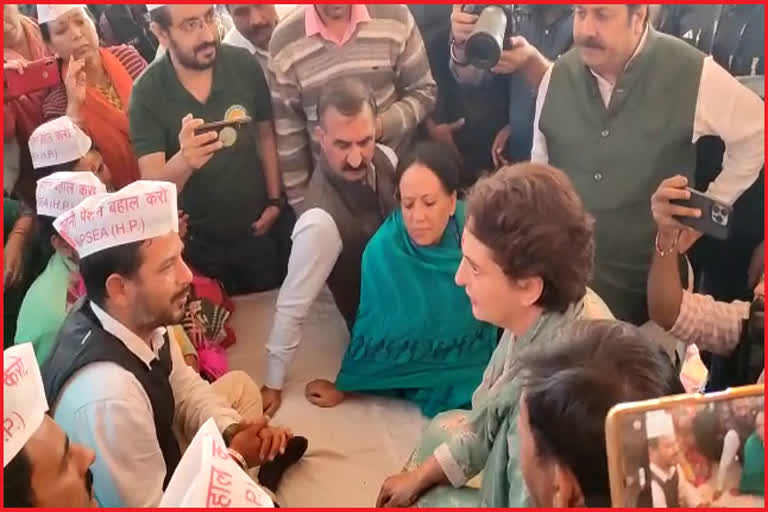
[274, 377]
[449, 466]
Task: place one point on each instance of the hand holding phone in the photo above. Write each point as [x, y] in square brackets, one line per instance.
[714, 217]
[671, 232]
[667, 452]
[22, 77]
[197, 150]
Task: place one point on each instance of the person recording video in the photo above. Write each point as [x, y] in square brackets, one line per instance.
[515, 42]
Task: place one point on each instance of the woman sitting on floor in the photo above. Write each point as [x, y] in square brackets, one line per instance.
[528, 253]
[414, 336]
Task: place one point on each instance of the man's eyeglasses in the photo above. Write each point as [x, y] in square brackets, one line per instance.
[191, 25]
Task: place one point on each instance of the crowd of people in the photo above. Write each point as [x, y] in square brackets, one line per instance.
[494, 236]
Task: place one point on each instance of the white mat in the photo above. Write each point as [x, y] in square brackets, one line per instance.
[352, 447]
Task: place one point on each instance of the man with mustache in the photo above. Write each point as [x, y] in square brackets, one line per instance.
[315, 44]
[620, 113]
[41, 467]
[253, 28]
[351, 193]
[114, 380]
[228, 179]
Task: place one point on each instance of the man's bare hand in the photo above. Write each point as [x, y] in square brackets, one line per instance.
[671, 230]
[515, 57]
[267, 219]
[462, 24]
[271, 400]
[197, 150]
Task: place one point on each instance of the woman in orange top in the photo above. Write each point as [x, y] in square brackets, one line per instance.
[97, 85]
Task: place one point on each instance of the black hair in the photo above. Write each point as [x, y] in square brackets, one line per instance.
[441, 159]
[347, 95]
[45, 230]
[96, 268]
[161, 16]
[45, 29]
[17, 482]
[572, 383]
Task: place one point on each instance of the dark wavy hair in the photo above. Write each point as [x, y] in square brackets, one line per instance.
[534, 222]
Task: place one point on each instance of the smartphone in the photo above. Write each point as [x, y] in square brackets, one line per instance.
[688, 450]
[228, 131]
[716, 217]
[39, 74]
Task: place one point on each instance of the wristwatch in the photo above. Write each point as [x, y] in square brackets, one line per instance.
[229, 433]
[276, 202]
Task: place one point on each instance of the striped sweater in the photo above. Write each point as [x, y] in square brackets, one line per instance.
[386, 53]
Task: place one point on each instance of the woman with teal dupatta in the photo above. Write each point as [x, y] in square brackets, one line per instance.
[527, 257]
[414, 336]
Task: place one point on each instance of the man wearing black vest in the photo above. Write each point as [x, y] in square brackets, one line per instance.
[621, 112]
[114, 381]
[351, 192]
[667, 486]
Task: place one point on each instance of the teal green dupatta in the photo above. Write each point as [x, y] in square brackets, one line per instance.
[414, 335]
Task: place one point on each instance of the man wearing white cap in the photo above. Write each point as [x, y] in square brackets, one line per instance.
[668, 485]
[41, 468]
[114, 381]
[54, 291]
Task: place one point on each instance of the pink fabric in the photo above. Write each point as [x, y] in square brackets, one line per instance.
[313, 24]
[711, 325]
[213, 361]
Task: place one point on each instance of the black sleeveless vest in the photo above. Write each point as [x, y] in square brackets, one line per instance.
[82, 341]
[358, 212]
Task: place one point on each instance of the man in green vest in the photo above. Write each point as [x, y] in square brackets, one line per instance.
[621, 112]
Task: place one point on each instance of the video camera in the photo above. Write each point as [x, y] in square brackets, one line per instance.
[495, 25]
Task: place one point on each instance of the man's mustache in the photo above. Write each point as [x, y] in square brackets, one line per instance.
[185, 292]
[255, 29]
[205, 46]
[590, 42]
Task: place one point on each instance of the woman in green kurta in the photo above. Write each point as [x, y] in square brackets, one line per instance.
[528, 249]
[408, 271]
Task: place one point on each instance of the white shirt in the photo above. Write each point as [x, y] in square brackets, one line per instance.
[235, 38]
[104, 407]
[724, 108]
[316, 248]
[690, 497]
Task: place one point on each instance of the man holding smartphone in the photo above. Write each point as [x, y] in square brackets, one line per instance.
[621, 112]
[228, 178]
[718, 327]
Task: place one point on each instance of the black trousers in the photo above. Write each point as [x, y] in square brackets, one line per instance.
[245, 265]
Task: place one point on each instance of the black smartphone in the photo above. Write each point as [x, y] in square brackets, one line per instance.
[228, 131]
[716, 217]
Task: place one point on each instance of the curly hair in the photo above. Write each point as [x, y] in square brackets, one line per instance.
[534, 223]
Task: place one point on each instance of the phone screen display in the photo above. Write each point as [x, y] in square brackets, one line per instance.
[691, 455]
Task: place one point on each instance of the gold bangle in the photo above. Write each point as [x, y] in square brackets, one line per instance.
[664, 252]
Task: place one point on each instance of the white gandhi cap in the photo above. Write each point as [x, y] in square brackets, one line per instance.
[62, 191]
[49, 12]
[24, 403]
[139, 211]
[59, 141]
[659, 424]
